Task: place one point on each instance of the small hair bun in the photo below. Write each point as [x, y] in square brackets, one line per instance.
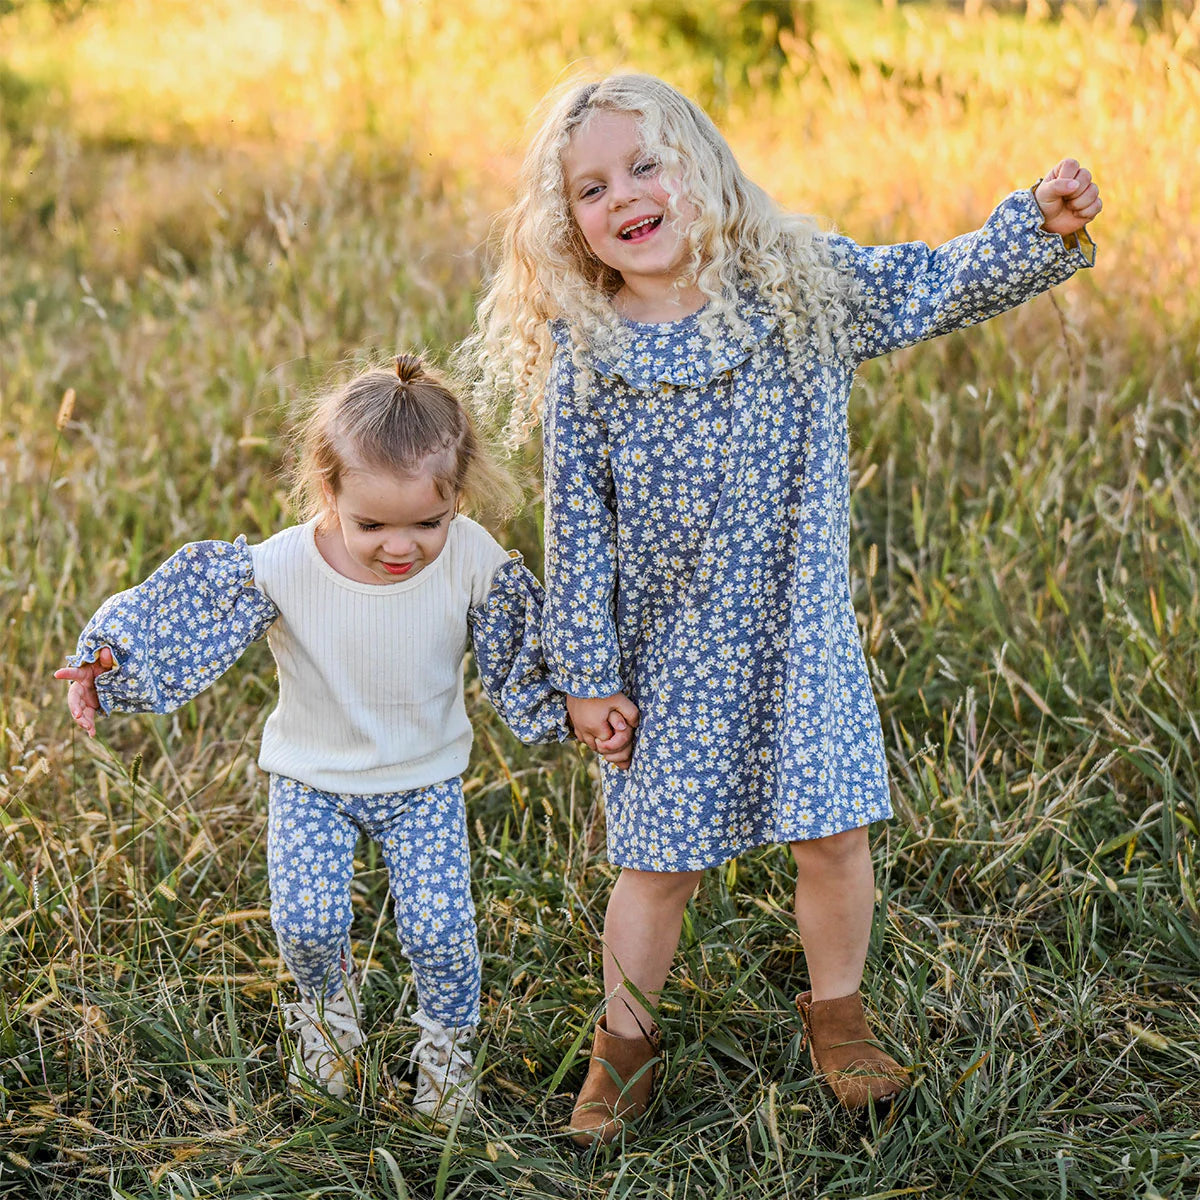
[409, 367]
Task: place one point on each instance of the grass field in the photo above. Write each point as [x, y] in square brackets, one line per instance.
[209, 209]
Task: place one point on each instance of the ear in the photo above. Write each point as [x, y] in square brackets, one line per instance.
[330, 498]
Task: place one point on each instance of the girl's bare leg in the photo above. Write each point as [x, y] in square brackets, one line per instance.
[835, 902]
[641, 933]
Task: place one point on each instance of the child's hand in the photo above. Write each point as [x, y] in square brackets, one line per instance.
[1068, 198]
[618, 749]
[605, 724]
[82, 699]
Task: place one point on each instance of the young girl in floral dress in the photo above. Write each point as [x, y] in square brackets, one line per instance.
[367, 606]
[695, 347]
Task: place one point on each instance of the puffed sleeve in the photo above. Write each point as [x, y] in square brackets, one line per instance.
[580, 632]
[908, 292]
[176, 632]
[506, 630]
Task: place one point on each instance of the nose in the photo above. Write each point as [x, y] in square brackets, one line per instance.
[399, 545]
[622, 191]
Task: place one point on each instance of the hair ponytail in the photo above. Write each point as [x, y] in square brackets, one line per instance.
[410, 368]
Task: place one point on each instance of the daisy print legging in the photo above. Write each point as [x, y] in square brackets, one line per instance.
[423, 835]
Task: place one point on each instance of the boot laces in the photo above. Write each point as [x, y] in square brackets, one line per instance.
[324, 1031]
[445, 1065]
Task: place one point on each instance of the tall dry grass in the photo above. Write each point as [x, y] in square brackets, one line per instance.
[209, 210]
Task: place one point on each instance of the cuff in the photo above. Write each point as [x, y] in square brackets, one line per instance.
[109, 684]
[579, 688]
[1079, 244]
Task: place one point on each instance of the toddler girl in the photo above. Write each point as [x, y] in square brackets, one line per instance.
[696, 348]
[367, 607]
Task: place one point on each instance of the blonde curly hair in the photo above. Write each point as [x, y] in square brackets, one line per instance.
[738, 240]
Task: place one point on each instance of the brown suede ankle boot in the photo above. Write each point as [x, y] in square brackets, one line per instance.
[619, 1081]
[846, 1058]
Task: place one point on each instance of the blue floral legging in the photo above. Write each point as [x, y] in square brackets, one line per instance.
[311, 837]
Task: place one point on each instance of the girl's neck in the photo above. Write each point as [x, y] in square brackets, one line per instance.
[654, 304]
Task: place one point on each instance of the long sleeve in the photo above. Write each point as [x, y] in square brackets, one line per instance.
[909, 292]
[506, 630]
[179, 630]
[579, 625]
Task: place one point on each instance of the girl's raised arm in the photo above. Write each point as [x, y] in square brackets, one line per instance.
[170, 637]
[909, 293]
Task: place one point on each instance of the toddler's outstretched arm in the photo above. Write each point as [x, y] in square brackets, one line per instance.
[154, 647]
[82, 698]
[506, 630]
[1068, 198]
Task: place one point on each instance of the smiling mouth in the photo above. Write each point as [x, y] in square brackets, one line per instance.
[637, 229]
[397, 568]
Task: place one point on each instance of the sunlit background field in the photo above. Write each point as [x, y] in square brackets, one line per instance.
[210, 209]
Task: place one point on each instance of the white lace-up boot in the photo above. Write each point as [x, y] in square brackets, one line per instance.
[324, 1034]
[445, 1063]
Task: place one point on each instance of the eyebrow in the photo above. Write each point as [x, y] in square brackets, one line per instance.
[363, 519]
[591, 172]
[573, 181]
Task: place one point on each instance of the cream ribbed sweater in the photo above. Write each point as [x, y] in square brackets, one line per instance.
[371, 675]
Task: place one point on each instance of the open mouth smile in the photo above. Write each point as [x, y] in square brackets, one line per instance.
[637, 230]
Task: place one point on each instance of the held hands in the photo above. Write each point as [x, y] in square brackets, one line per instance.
[605, 724]
[1068, 198]
[82, 699]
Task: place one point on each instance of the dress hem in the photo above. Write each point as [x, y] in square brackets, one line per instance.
[781, 840]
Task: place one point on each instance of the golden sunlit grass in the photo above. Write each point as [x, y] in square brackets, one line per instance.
[921, 116]
[209, 209]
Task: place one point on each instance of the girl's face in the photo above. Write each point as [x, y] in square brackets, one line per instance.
[389, 527]
[619, 200]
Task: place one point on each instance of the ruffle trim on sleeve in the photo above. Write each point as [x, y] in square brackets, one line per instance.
[178, 631]
[507, 634]
[1076, 248]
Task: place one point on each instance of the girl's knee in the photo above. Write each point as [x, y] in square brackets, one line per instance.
[309, 932]
[438, 941]
[833, 850]
[664, 887]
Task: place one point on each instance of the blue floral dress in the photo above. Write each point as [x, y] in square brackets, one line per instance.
[697, 544]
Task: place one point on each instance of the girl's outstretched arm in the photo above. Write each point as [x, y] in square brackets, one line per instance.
[167, 639]
[909, 292]
[582, 650]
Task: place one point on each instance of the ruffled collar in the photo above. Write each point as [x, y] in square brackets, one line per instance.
[688, 353]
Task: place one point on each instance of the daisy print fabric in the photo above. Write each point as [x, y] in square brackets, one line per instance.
[179, 630]
[175, 633]
[311, 837]
[697, 544]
